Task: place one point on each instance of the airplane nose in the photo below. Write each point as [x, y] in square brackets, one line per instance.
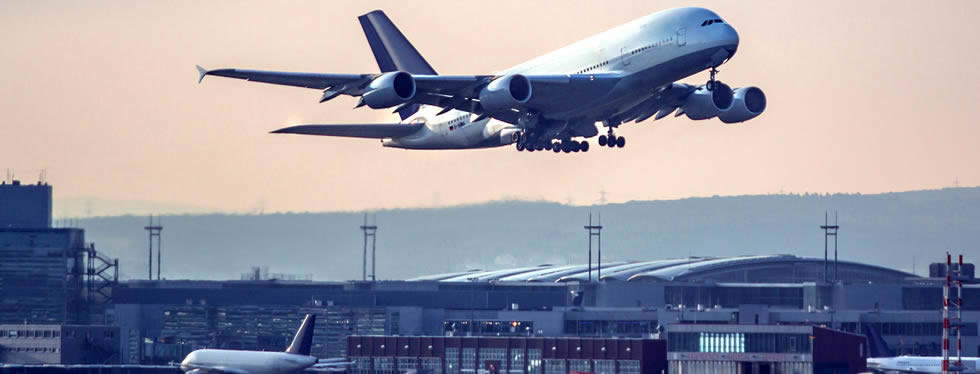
[731, 39]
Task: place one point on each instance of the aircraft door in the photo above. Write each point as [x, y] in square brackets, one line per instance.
[626, 56]
[681, 36]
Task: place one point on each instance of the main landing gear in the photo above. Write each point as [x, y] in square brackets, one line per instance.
[531, 143]
[612, 141]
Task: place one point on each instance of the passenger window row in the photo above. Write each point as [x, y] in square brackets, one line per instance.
[593, 67]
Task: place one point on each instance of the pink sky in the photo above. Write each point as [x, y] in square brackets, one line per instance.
[863, 97]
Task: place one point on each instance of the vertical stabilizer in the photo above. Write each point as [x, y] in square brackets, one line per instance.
[303, 340]
[393, 51]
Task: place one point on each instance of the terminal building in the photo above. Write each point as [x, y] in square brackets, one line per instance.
[632, 300]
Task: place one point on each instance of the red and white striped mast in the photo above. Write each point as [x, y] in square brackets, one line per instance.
[954, 279]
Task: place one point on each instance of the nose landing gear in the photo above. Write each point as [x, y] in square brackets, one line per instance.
[712, 83]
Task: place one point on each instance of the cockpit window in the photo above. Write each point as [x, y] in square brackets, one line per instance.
[710, 21]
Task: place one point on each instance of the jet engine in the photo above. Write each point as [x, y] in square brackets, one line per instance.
[704, 104]
[390, 89]
[749, 103]
[509, 136]
[505, 92]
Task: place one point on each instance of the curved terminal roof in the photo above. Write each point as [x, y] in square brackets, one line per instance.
[739, 269]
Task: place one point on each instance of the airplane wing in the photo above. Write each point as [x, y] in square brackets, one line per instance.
[371, 131]
[203, 369]
[462, 92]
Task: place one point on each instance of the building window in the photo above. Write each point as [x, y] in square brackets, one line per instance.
[517, 361]
[584, 366]
[408, 365]
[360, 365]
[431, 365]
[605, 367]
[452, 360]
[554, 367]
[384, 365]
[469, 361]
[493, 360]
[534, 361]
[629, 367]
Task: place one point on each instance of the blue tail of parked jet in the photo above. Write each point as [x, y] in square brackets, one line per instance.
[303, 341]
[393, 51]
[876, 344]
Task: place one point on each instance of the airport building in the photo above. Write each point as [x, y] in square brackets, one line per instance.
[502, 355]
[632, 300]
[59, 344]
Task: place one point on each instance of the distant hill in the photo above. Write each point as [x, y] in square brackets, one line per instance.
[886, 229]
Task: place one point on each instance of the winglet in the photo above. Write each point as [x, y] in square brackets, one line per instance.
[201, 73]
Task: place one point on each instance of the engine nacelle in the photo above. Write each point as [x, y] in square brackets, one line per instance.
[509, 136]
[505, 92]
[390, 89]
[704, 104]
[749, 103]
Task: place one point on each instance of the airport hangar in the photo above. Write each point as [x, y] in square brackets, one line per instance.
[162, 320]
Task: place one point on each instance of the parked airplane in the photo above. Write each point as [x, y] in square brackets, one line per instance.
[883, 360]
[917, 364]
[296, 358]
[625, 74]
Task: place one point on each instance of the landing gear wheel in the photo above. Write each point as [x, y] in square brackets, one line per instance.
[556, 147]
[712, 83]
[520, 146]
[548, 145]
[612, 141]
[602, 140]
[539, 147]
[621, 142]
[585, 146]
[522, 138]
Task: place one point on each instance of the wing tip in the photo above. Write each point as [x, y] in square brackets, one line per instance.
[201, 73]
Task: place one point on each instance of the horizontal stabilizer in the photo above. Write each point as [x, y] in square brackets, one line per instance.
[371, 131]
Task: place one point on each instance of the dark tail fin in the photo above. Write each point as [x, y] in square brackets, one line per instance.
[303, 340]
[876, 344]
[393, 51]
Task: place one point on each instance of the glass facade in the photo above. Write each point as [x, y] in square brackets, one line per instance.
[554, 367]
[605, 366]
[736, 342]
[431, 365]
[384, 365]
[495, 357]
[407, 364]
[610, 327]
[534, 361]
[629, 367]
[452, 360]
[469, 361]
[517, 361]
[582, 366]
[360, 365]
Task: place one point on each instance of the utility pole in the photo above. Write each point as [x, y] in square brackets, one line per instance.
[828, 231]
[369, 232]
[154, 232]
[596, 231]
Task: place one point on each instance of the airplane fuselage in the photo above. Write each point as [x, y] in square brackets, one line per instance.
[649, 54]
[916, 364]
[247, 361]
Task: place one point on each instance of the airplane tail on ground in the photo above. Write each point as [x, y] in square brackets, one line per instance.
[876, 344]
[303, 340]
[393, 51]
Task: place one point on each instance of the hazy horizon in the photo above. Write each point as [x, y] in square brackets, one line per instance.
[863, 97]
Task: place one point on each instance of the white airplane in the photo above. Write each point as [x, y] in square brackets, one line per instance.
[625, 74]
[296, 358]
[919, 364]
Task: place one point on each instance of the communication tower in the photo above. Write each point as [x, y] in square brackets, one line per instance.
[595, 230]
[154, 232]
[953, 313]
[369, 232]
[828, 231]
